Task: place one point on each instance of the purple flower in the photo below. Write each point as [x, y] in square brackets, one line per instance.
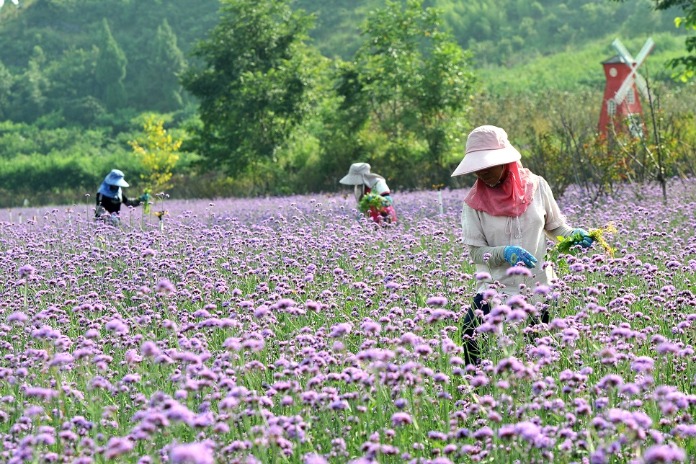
[542, 289]
[17, 316]
[314, 458]
[401, 418]
[663, 454]
[44, 394]
[340, 330]
[684, 430]
[26, 271]
[117, 446]
[643, 364]
[192, 453]
[165, 287]
[483, 432]
[528, 430]
[436, 301]
[148, 252]
[518, 271]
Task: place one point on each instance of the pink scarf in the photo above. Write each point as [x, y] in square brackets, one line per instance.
[510, 198]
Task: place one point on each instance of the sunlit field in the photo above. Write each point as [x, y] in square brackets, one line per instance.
[291, 331]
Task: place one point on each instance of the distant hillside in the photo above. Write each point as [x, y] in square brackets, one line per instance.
[104, 61]
[502, 32]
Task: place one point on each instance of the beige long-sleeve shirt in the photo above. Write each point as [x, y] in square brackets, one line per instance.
[487, 234]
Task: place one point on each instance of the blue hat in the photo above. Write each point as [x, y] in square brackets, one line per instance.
[115, 177]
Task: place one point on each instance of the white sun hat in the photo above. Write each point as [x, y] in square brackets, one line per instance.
[359, 174]
[486, 146]
[116, 177]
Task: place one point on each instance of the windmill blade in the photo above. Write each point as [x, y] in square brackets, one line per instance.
[642, 86]
[622, 51]
[647, 48]
[623, 90]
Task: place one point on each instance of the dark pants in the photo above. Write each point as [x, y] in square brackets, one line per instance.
[472, 354]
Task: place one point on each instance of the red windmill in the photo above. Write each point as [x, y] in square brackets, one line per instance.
[621, 101]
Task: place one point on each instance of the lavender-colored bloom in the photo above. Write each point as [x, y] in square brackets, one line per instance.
[483, 432]
[26, 271]
[518, 271]
[192, 453]
[609, 381]
[667, 348]
[17, 316]
[436, 301]
[643, 364]
[164, 286]
[440, 460]
[401, 418]
[507, 431]
[117, 446]
[44, 394]
[528, 431]
[339, 330]
[437, 435]
[313, 458]
[542, 290]
[663, 454]
[685, 430]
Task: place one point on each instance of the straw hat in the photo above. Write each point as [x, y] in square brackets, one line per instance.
[115, 177]
[486, 146]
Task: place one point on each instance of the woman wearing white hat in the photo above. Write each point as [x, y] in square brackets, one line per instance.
[110, 197]
[508, 216]
[365, 183]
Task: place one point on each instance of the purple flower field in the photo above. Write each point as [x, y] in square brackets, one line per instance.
[288, 330]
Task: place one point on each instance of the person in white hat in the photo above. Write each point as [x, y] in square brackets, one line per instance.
[366, 182]
[508, 216]
[110, 195]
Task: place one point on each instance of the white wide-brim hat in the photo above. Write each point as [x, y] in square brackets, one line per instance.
[116, 177]
[486, 146]
[356, 174]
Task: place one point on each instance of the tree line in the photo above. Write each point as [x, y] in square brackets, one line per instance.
[257, 108]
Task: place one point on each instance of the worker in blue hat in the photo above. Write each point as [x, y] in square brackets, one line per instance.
[110, 195]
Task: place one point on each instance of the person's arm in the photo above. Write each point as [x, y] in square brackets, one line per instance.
[475, 238]
[99, 210]
[495, 255]
[560, 231]
[359, 191]
[128, 202]
[556, 225]
[380, 186]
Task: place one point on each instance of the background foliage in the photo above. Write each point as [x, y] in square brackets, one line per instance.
[77, 77]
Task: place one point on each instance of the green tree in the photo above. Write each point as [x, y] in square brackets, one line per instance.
[411, 85]
[79, 104]
[111, 69]
[687, 63]
[5, 90]
[254, 86]
[168, 63]
[29, 89]
[685, 66]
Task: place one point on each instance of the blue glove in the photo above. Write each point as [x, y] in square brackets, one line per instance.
[582, 238]
[515, 254]
[145, 197]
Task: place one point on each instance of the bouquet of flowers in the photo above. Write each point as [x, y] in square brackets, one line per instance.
[566, 244]
[372, 201]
